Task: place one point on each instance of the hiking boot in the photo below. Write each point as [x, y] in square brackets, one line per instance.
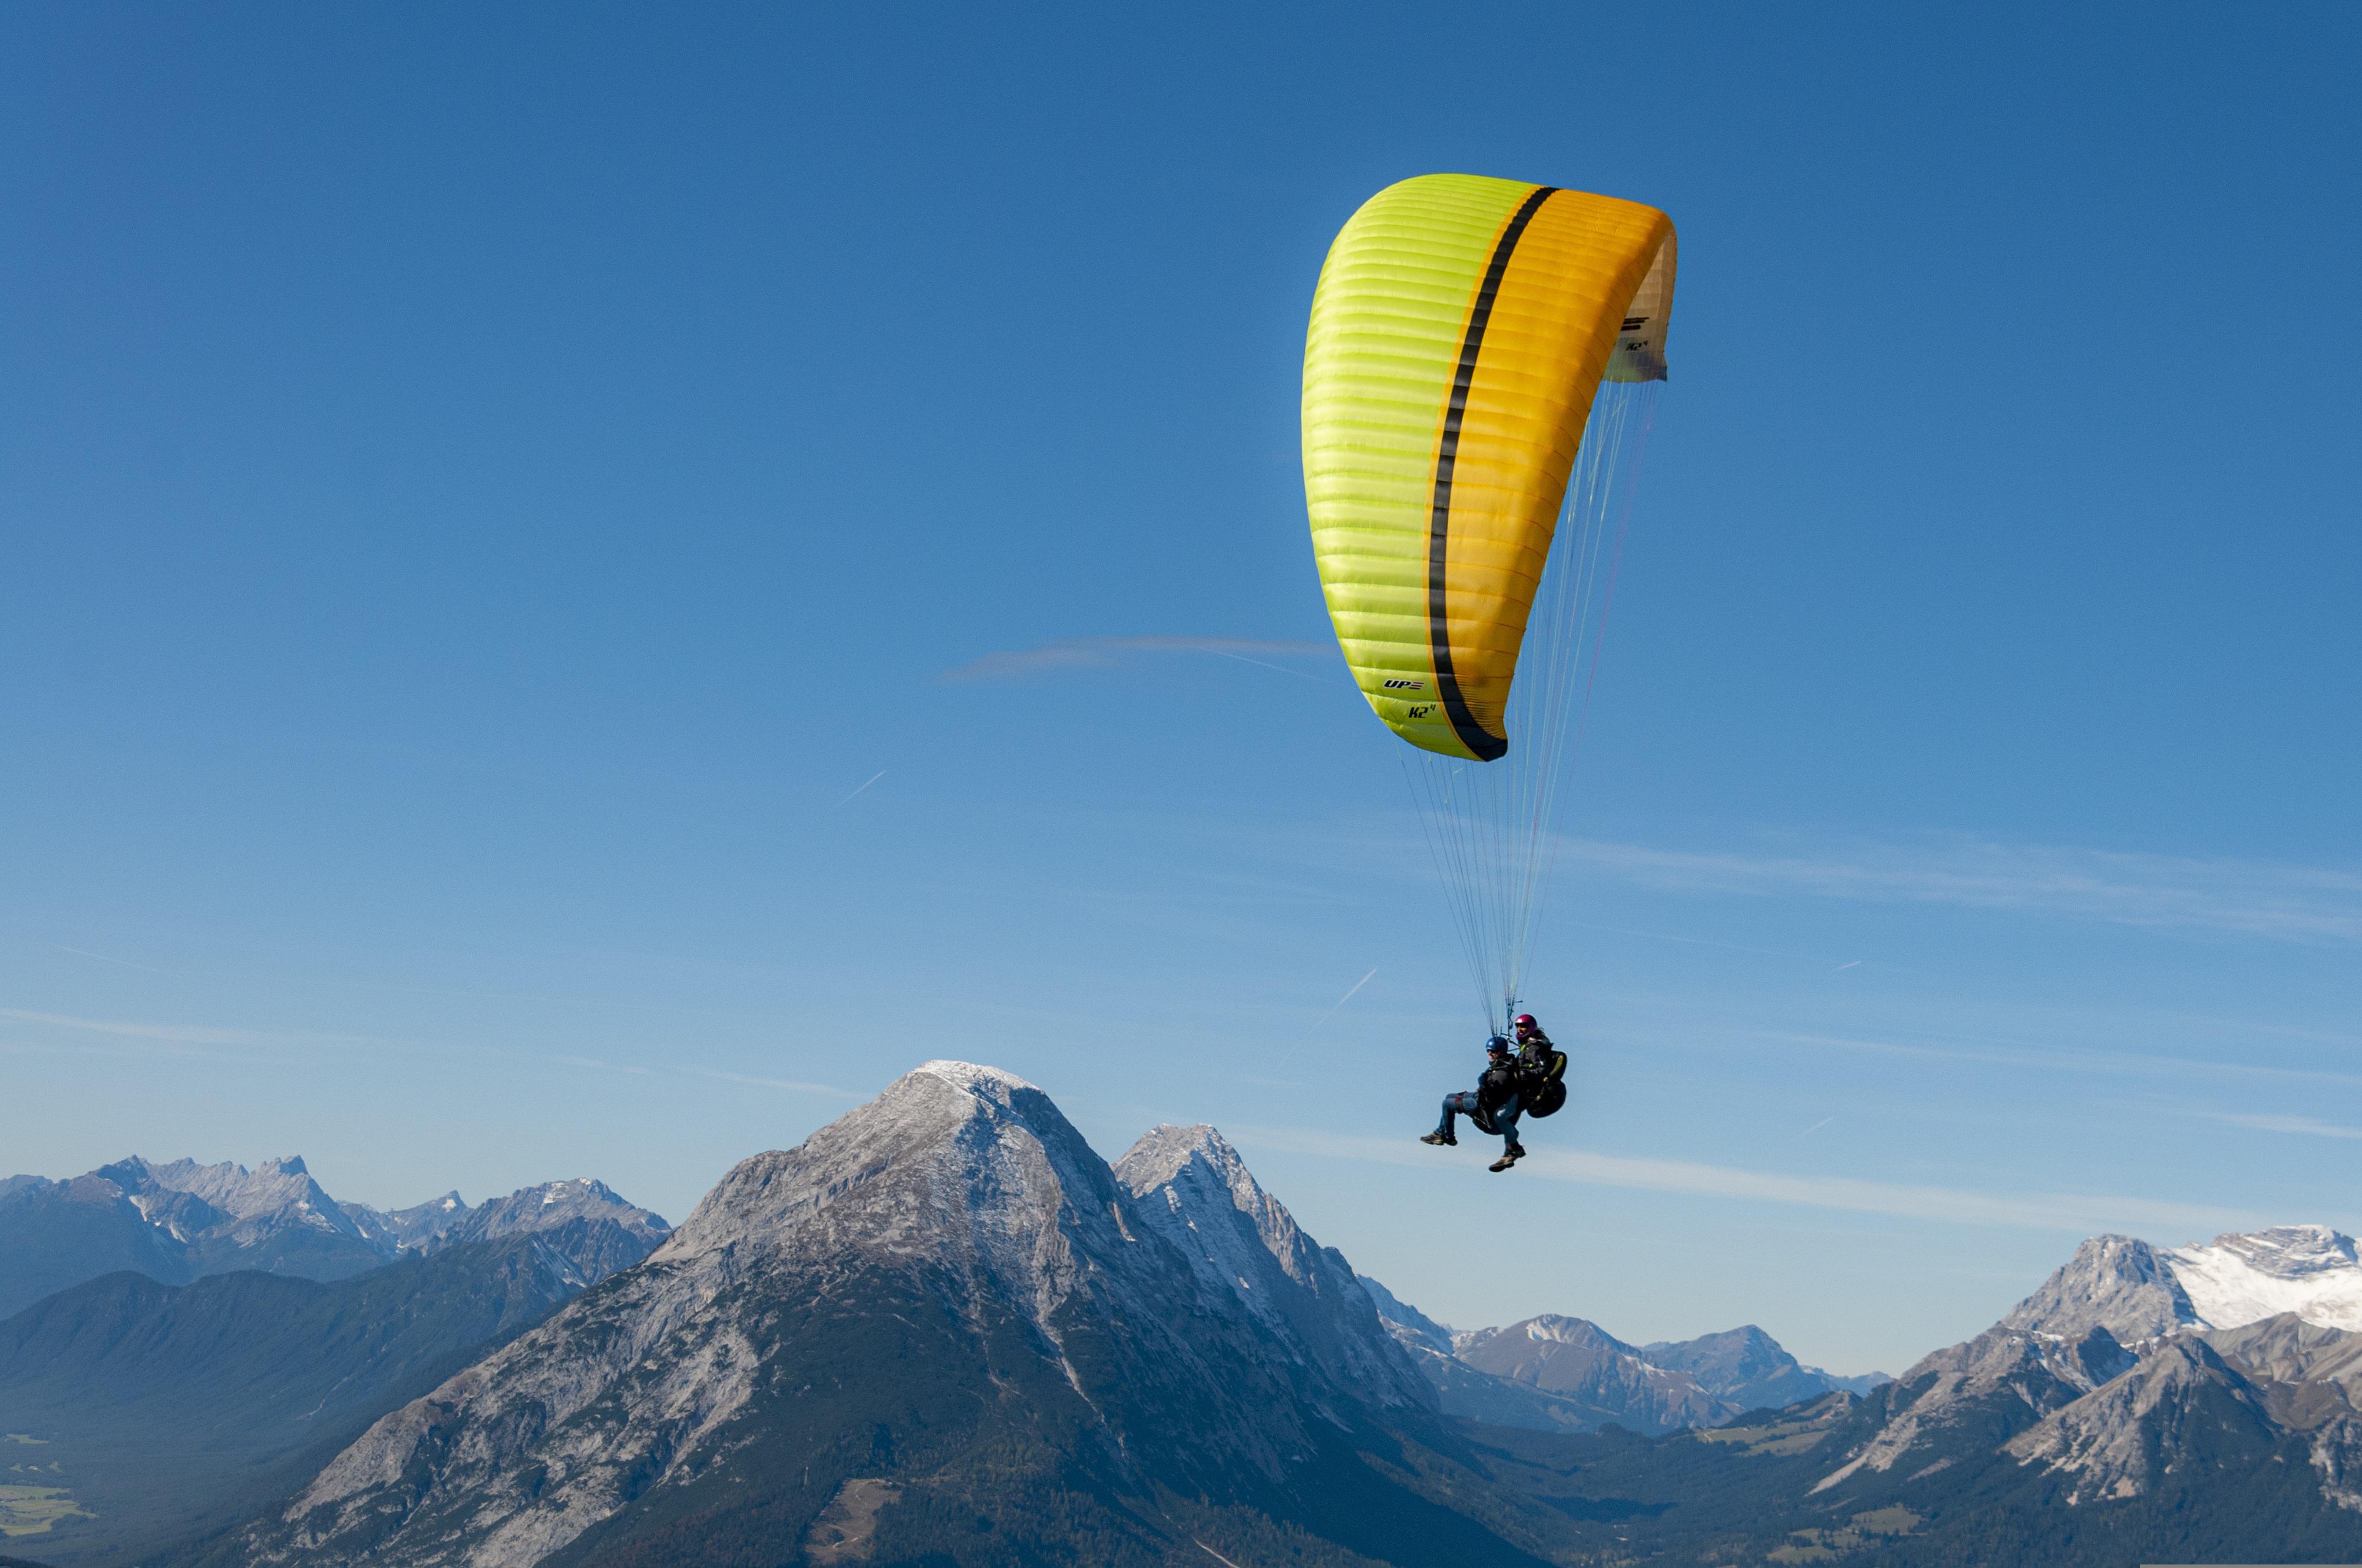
[1446, 1139]
[1510, 1158]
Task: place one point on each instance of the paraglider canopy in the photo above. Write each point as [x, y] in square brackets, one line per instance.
[1460, 331]
[1480, 364]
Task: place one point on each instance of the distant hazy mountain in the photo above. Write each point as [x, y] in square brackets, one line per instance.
[1559, 1373]
[165, 1411]
[1612, 1382]
[944, 1330]
[172, 1222]
[182, 1221]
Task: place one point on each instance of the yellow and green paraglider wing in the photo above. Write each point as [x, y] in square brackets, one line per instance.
[1461, 328]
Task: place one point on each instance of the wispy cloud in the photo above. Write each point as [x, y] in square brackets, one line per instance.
[2304, 1125]
[1105, 653]
[2065, 1058]
[2077, 1213]
[2288, 903]
[177, 1034]
[597, 1065]
[793, 1084]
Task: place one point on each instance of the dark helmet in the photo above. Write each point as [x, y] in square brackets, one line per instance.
[1497, 1045]
[1527, 1024]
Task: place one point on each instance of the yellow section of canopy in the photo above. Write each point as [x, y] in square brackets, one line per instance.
[1459, 330]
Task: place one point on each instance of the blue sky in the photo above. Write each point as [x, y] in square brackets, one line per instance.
[585, 586]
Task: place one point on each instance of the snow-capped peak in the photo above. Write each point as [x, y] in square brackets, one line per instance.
[987, 1083]
[2235, 1280]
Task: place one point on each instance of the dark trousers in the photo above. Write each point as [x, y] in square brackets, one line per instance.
[1504, 1116]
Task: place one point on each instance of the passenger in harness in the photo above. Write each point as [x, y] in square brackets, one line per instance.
[1541, 1069]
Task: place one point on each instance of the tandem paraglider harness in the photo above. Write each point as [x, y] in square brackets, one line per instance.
[1536, 1076]
[1539, 1074]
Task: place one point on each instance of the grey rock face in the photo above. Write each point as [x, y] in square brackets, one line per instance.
[2117, 1283]
[2115, 1441]
[2288, 1350]
[1975, 1395]
[1192, 1188]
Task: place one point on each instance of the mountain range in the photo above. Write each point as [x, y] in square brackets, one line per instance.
[175, 1407]
[1559, 1373]
[182, 1221]
[944, 1330]
[2133, 1408]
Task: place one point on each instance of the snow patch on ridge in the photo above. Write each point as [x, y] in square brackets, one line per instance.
[2235, 1280]
[989, 1083]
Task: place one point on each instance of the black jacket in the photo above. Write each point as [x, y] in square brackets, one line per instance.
[1539, 1064]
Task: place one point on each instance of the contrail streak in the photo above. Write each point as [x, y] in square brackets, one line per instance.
[1325, 1017]
[1357, 986]
[864, 784]
[1284, 671]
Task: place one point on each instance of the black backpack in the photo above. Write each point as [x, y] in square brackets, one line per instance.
[1551, 1095]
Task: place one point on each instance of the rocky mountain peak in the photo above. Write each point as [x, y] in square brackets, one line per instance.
[276, 1194]
[2118, 1283]
[1029, 1300]
[996, 1084]
[2292, 1252]
[1194, 1174]
[952, 1156]
[1549, 1327]
[1188, 1186]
